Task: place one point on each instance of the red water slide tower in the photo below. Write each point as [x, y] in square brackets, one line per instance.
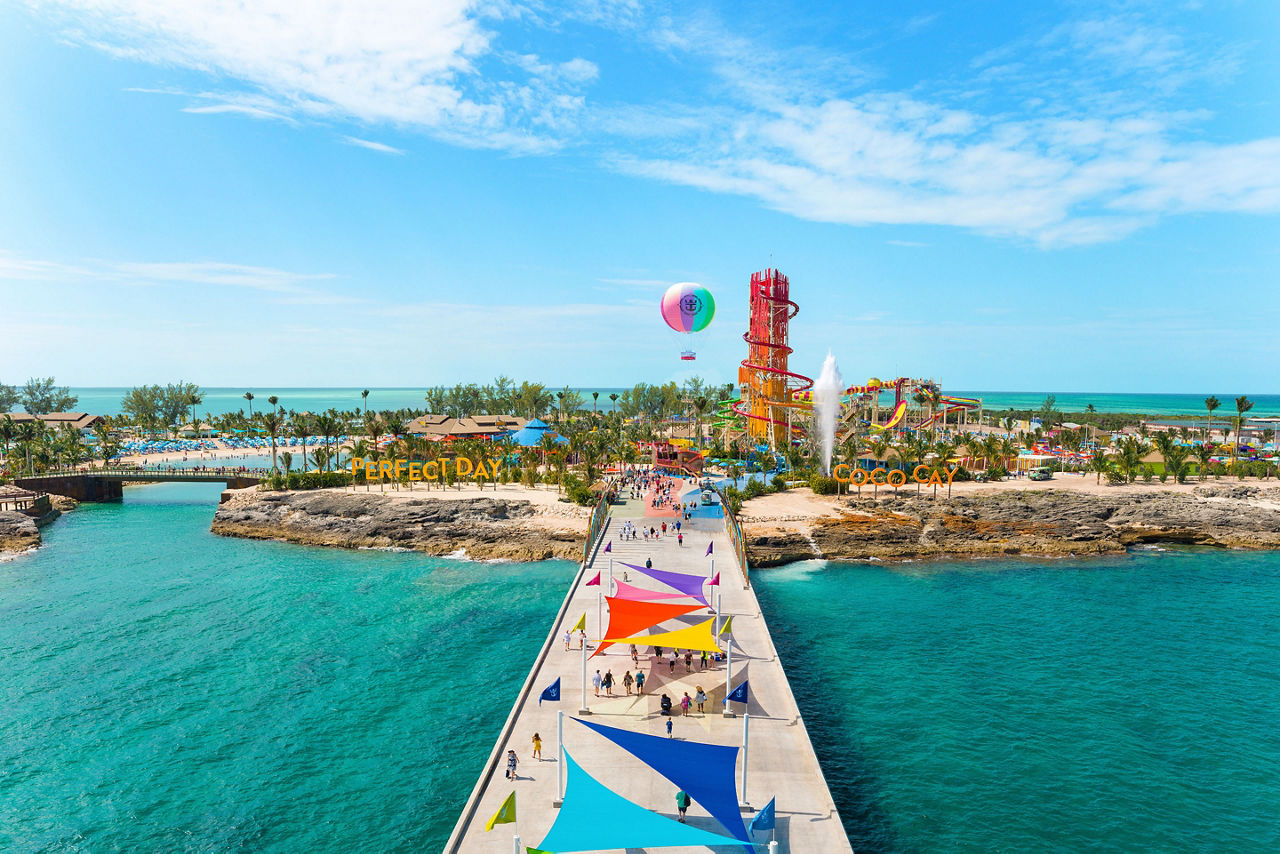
[766, 383]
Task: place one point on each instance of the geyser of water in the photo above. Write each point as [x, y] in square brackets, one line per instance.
[826, 407]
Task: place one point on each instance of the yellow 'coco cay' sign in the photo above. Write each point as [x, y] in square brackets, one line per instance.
[436, 469]
[845, 473]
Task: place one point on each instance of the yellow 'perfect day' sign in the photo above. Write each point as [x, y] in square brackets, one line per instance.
[436, 469]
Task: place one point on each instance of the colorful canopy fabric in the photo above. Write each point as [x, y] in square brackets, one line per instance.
[690, 585]
[697, 637]
[706, 771]
[639, 594]
[592, 818]
[627, 616]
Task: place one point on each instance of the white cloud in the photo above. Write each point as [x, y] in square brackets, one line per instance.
[386, 61]
[372, 146]
[288, 287]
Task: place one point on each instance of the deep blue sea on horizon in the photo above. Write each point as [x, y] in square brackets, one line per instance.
[221, 400]
[162, 688]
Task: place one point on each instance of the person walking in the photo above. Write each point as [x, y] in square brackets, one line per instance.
[512, 762]
[683, 802]
[567, 636]
[537, 747]
[673, 659]
[595, 682]
[582, 638]
[639, 681]
[685, 703]
[700, 698]
[627, 682]
[608, 682]
[702, 665]
[688, 660]
[669, 728]
[680, 540]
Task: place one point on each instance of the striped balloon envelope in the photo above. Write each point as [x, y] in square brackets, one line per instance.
[688, 307]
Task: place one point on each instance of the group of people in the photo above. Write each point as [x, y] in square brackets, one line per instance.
[686, 702]
[607, 681]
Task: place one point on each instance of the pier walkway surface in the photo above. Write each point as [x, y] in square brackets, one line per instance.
[780, 761]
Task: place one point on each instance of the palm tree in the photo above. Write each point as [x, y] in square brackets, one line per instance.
[364, 396]
[1210, 403]
[1100, 463]
[8, 431]
[248, 395]
[193, 400]
[273, 422]
[274, 400]
[1243, 405]
[614, 397]
[286, 460]
[1204, 454]
[595, 395]
[302, 427]
[1132, 449]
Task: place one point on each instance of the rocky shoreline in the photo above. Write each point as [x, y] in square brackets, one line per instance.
[20, 532]
[1050, 523]
[477, 528]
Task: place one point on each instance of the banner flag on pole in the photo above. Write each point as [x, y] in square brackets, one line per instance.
[715, 580]
[581, 625]
[551, 692]
[608, 547]
[595, 582]
[506, 814]
[728, 621]
[764, 819]
[710, 546]
[739, 694]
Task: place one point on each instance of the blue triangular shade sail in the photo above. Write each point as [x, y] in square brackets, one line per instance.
[689, 585]
[706, 771]
[592, 818]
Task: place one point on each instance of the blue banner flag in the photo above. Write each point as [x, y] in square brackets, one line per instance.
[551, 692]
[739, 694]
[764, 818]
[710, 546]
[608, 547]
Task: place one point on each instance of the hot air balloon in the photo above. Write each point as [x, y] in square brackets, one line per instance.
[688, 307]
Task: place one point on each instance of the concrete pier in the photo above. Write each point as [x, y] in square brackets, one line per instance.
[780, 761]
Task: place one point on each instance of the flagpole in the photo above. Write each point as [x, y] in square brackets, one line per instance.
[746, 722]
[728, 676]
[516, 846]
[773, 846]
[583, 705]
[560, 754]
[610, 576]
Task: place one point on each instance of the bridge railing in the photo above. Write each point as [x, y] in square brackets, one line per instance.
[171, 473]
[595, 527]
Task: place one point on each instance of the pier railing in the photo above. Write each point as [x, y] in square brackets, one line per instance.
[734, 527]
[599, 516]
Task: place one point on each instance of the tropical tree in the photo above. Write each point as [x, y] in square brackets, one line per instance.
[274, 400]
[248, 395]
[272, 423]
[106, 444]
[1132, 449]
[1243, 405]
[364, 399]
[1210, 403]
[1099, 463]
[880, 449]
[1204, 455]
[302, 427]
[29, 435]
[41, 396]
[8, 432]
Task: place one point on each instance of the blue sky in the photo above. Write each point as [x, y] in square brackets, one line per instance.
[1000, 195]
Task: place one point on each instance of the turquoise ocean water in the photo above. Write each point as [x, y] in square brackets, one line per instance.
[1119, 704]
[221, 400]
[163, 689]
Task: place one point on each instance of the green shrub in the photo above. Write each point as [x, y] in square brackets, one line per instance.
[779, 483]
[997, 472]
[823, 485]
[1116, 477]
[754, 489]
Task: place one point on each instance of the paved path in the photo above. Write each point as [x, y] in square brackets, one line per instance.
[781, 761]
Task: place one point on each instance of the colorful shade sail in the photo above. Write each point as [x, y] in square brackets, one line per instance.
[689, 585]
[688, 307]
[639, 594]
[627, 616]
[697, 637]
[593, 818]
[706, 771]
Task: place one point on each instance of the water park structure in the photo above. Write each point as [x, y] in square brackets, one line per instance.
[767, 384]
[776, 402]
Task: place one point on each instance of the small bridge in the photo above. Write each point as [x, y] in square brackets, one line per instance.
[108, 484]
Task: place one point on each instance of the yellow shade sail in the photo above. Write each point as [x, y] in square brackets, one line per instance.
[697, 637]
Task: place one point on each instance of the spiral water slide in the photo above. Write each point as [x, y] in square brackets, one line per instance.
[756, 370]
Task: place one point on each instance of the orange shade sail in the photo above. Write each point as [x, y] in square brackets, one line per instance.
[628, 616]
